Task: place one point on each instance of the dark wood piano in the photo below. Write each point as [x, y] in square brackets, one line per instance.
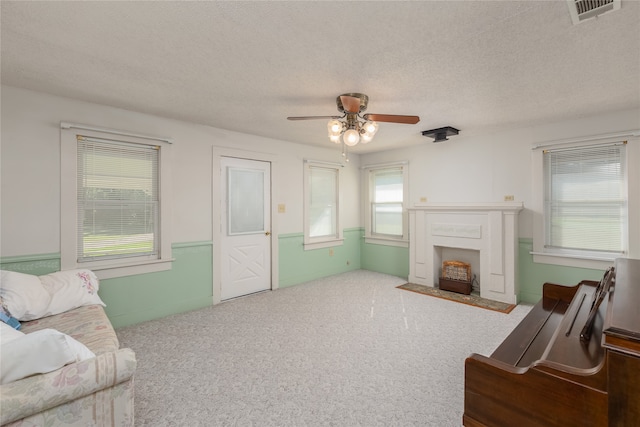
[545, 374]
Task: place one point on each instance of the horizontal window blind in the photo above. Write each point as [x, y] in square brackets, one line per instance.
[118, 204]
[386, 206]
[585, 198]
[323, 202]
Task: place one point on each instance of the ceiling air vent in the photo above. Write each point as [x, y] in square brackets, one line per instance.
[582, 10]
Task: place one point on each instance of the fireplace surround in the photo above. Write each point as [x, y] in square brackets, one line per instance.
[491, 229]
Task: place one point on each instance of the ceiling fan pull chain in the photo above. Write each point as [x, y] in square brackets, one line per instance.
[345, 154]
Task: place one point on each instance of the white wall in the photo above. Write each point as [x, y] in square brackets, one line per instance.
[467, 168]
[487, 167]
[30, 169]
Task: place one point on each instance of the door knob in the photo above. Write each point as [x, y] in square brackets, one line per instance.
[268, 233]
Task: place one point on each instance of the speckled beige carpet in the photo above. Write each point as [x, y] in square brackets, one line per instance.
[474, 300]
[347, 350]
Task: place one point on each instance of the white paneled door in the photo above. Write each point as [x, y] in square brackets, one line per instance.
[246, 227]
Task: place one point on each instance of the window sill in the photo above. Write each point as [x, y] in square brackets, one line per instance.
[577, 261]
[104, 271]
[324, 244]
[386, 241]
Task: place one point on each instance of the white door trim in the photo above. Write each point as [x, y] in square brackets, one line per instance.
[218, 153]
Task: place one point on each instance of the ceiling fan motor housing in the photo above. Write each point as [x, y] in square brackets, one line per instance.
[364, 101]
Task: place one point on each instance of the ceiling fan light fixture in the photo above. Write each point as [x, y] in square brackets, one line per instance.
[353, 127]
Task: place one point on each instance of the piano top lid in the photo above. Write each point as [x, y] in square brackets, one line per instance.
[623, 315]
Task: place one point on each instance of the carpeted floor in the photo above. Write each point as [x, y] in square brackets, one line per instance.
[472, 299]
[346, 350]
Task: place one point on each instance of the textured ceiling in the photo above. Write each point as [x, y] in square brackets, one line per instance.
[246, 66]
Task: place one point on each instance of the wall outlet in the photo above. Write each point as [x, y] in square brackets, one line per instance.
[508, 198]
[281, 208]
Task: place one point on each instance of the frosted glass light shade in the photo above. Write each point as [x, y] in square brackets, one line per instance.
[334, 127]
[351, 137]
[370, 128]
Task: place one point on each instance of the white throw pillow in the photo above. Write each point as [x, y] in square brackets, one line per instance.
[39, 352]
[24, 295]
[70, 289]
[7, 333]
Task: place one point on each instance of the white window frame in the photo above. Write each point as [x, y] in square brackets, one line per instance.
[584, 259]
[106, 269]
[324, 241]
[367, 181]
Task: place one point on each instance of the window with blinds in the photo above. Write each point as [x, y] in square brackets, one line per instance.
[384, 197]
[585, 199]
[386, 201]
[322, 210]
[323, 202]
[117, 200]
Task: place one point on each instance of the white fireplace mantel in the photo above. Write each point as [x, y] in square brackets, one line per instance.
[489, 228]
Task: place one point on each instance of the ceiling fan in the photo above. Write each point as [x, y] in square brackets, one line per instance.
[353, 126]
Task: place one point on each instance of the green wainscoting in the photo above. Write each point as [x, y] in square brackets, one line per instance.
[37, 265]
[391, 260]
[134, 299]
[533, 275]
[299, 266]
[188, 285]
